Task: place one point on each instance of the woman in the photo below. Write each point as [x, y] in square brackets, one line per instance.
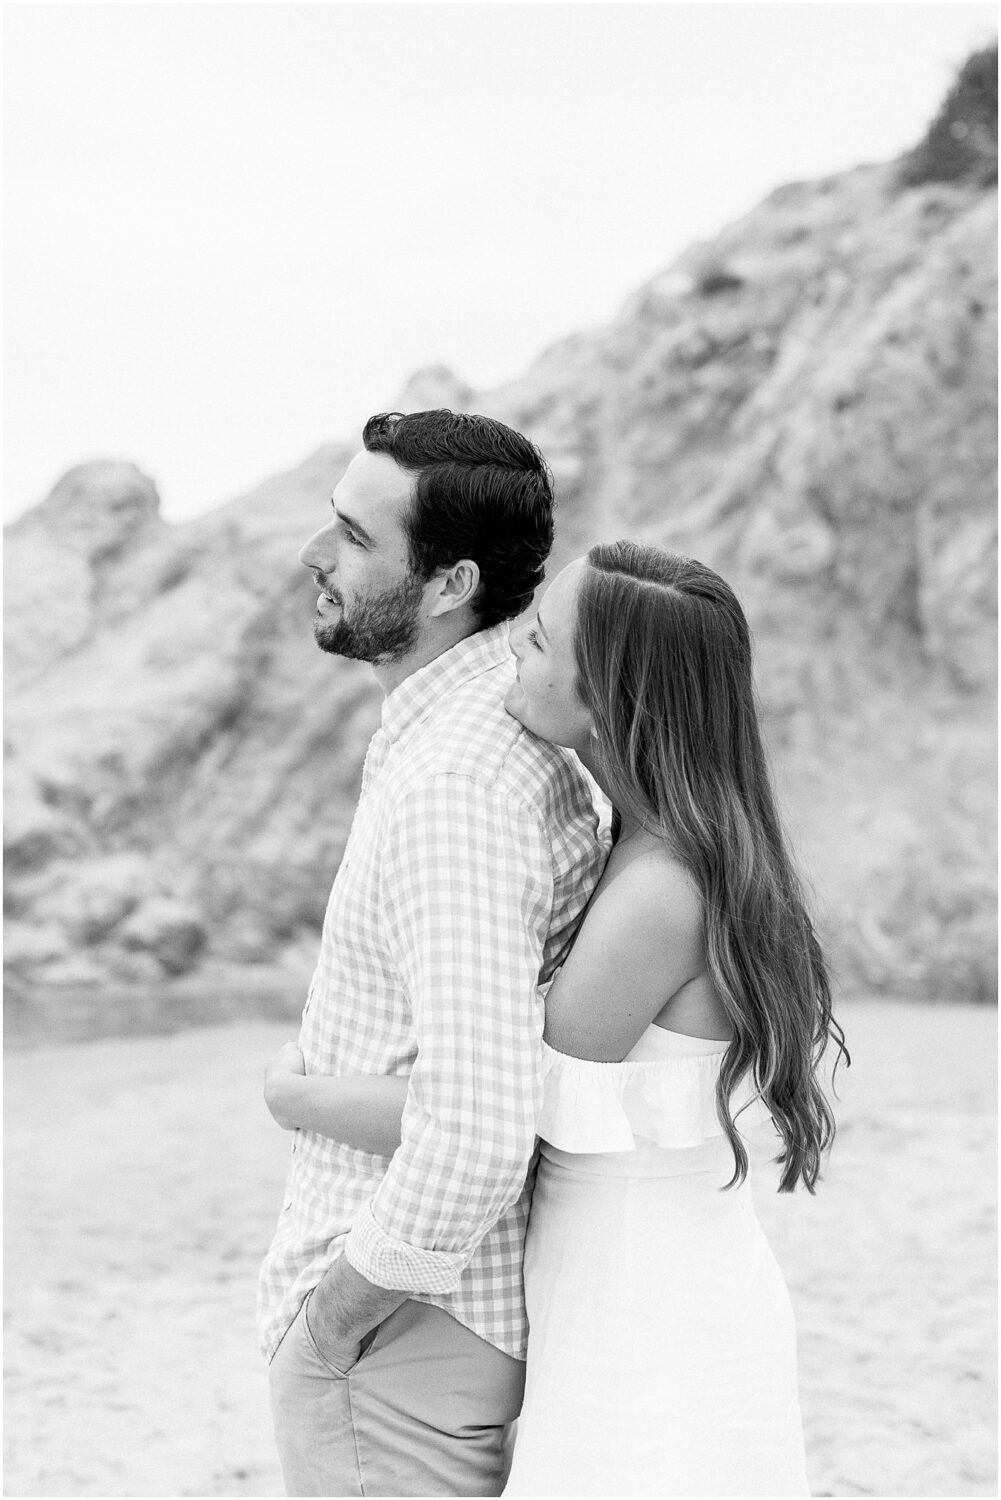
[693, 1008]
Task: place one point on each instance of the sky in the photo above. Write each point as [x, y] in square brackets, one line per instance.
[233, 231]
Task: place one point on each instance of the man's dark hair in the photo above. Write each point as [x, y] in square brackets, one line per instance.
[481, 491]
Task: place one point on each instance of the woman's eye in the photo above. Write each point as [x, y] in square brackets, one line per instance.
[533, 638]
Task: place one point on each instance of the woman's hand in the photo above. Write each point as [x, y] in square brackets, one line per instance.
[280, 1086]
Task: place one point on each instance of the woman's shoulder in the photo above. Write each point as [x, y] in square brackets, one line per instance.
[647, 886]
[639, 943]
[644, 919]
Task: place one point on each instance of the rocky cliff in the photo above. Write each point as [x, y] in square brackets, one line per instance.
[806, 403]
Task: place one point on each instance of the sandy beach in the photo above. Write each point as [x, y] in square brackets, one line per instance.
[144, 1177]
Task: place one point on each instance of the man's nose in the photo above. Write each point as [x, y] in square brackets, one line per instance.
[315, 554]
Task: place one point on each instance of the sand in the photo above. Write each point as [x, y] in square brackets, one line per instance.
[144, 1176]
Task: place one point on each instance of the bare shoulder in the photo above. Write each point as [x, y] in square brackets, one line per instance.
[639, 944]
[646, 902]
[651, 881]
[654, 864]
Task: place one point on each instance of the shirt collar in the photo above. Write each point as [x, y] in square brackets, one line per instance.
[418, 693]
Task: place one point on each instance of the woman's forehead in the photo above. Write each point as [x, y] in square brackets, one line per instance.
[558, 602]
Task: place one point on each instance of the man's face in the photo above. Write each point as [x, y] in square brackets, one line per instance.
[370, 601]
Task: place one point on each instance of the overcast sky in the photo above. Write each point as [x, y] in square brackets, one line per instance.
[233, 230]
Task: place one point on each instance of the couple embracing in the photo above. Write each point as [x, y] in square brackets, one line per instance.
[566, 967]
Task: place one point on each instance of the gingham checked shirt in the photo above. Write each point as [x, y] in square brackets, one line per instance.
[473, 851]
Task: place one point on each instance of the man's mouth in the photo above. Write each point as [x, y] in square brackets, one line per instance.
[326, 592]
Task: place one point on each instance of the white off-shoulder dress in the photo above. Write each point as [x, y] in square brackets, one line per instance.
[662, 1348]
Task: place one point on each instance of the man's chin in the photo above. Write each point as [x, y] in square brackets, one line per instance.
[335, 640]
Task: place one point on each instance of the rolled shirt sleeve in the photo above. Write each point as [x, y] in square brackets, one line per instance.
[465, 904]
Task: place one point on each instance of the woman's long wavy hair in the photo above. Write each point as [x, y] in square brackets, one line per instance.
[663, 658]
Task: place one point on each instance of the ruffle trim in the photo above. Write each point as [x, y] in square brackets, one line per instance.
[668, 1102]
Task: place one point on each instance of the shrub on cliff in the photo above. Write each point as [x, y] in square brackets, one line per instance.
[962, 141]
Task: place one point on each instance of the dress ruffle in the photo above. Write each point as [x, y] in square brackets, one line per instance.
[668, 1102]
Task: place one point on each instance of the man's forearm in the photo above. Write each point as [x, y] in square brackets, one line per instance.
[346, 1305]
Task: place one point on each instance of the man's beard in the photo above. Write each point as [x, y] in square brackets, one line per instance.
[381, 628]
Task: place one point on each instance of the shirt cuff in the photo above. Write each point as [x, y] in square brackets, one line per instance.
[398, 1266]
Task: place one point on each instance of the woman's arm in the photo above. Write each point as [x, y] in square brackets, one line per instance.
[362, 1110]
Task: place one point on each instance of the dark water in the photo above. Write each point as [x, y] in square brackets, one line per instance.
[40, 1017]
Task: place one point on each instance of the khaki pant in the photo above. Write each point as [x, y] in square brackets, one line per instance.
[423, 1411]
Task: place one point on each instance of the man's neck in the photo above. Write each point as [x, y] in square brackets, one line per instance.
[389, 675]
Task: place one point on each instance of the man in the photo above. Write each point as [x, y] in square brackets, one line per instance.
[391, 1302]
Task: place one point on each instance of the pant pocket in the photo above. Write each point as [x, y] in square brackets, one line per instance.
[280, 1346]
[338, 1366]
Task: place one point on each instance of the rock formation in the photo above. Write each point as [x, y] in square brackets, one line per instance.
[806, 403]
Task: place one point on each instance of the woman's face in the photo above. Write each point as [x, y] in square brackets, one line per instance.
[544, 697]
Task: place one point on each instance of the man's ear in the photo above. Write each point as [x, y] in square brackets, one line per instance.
[455, 586]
